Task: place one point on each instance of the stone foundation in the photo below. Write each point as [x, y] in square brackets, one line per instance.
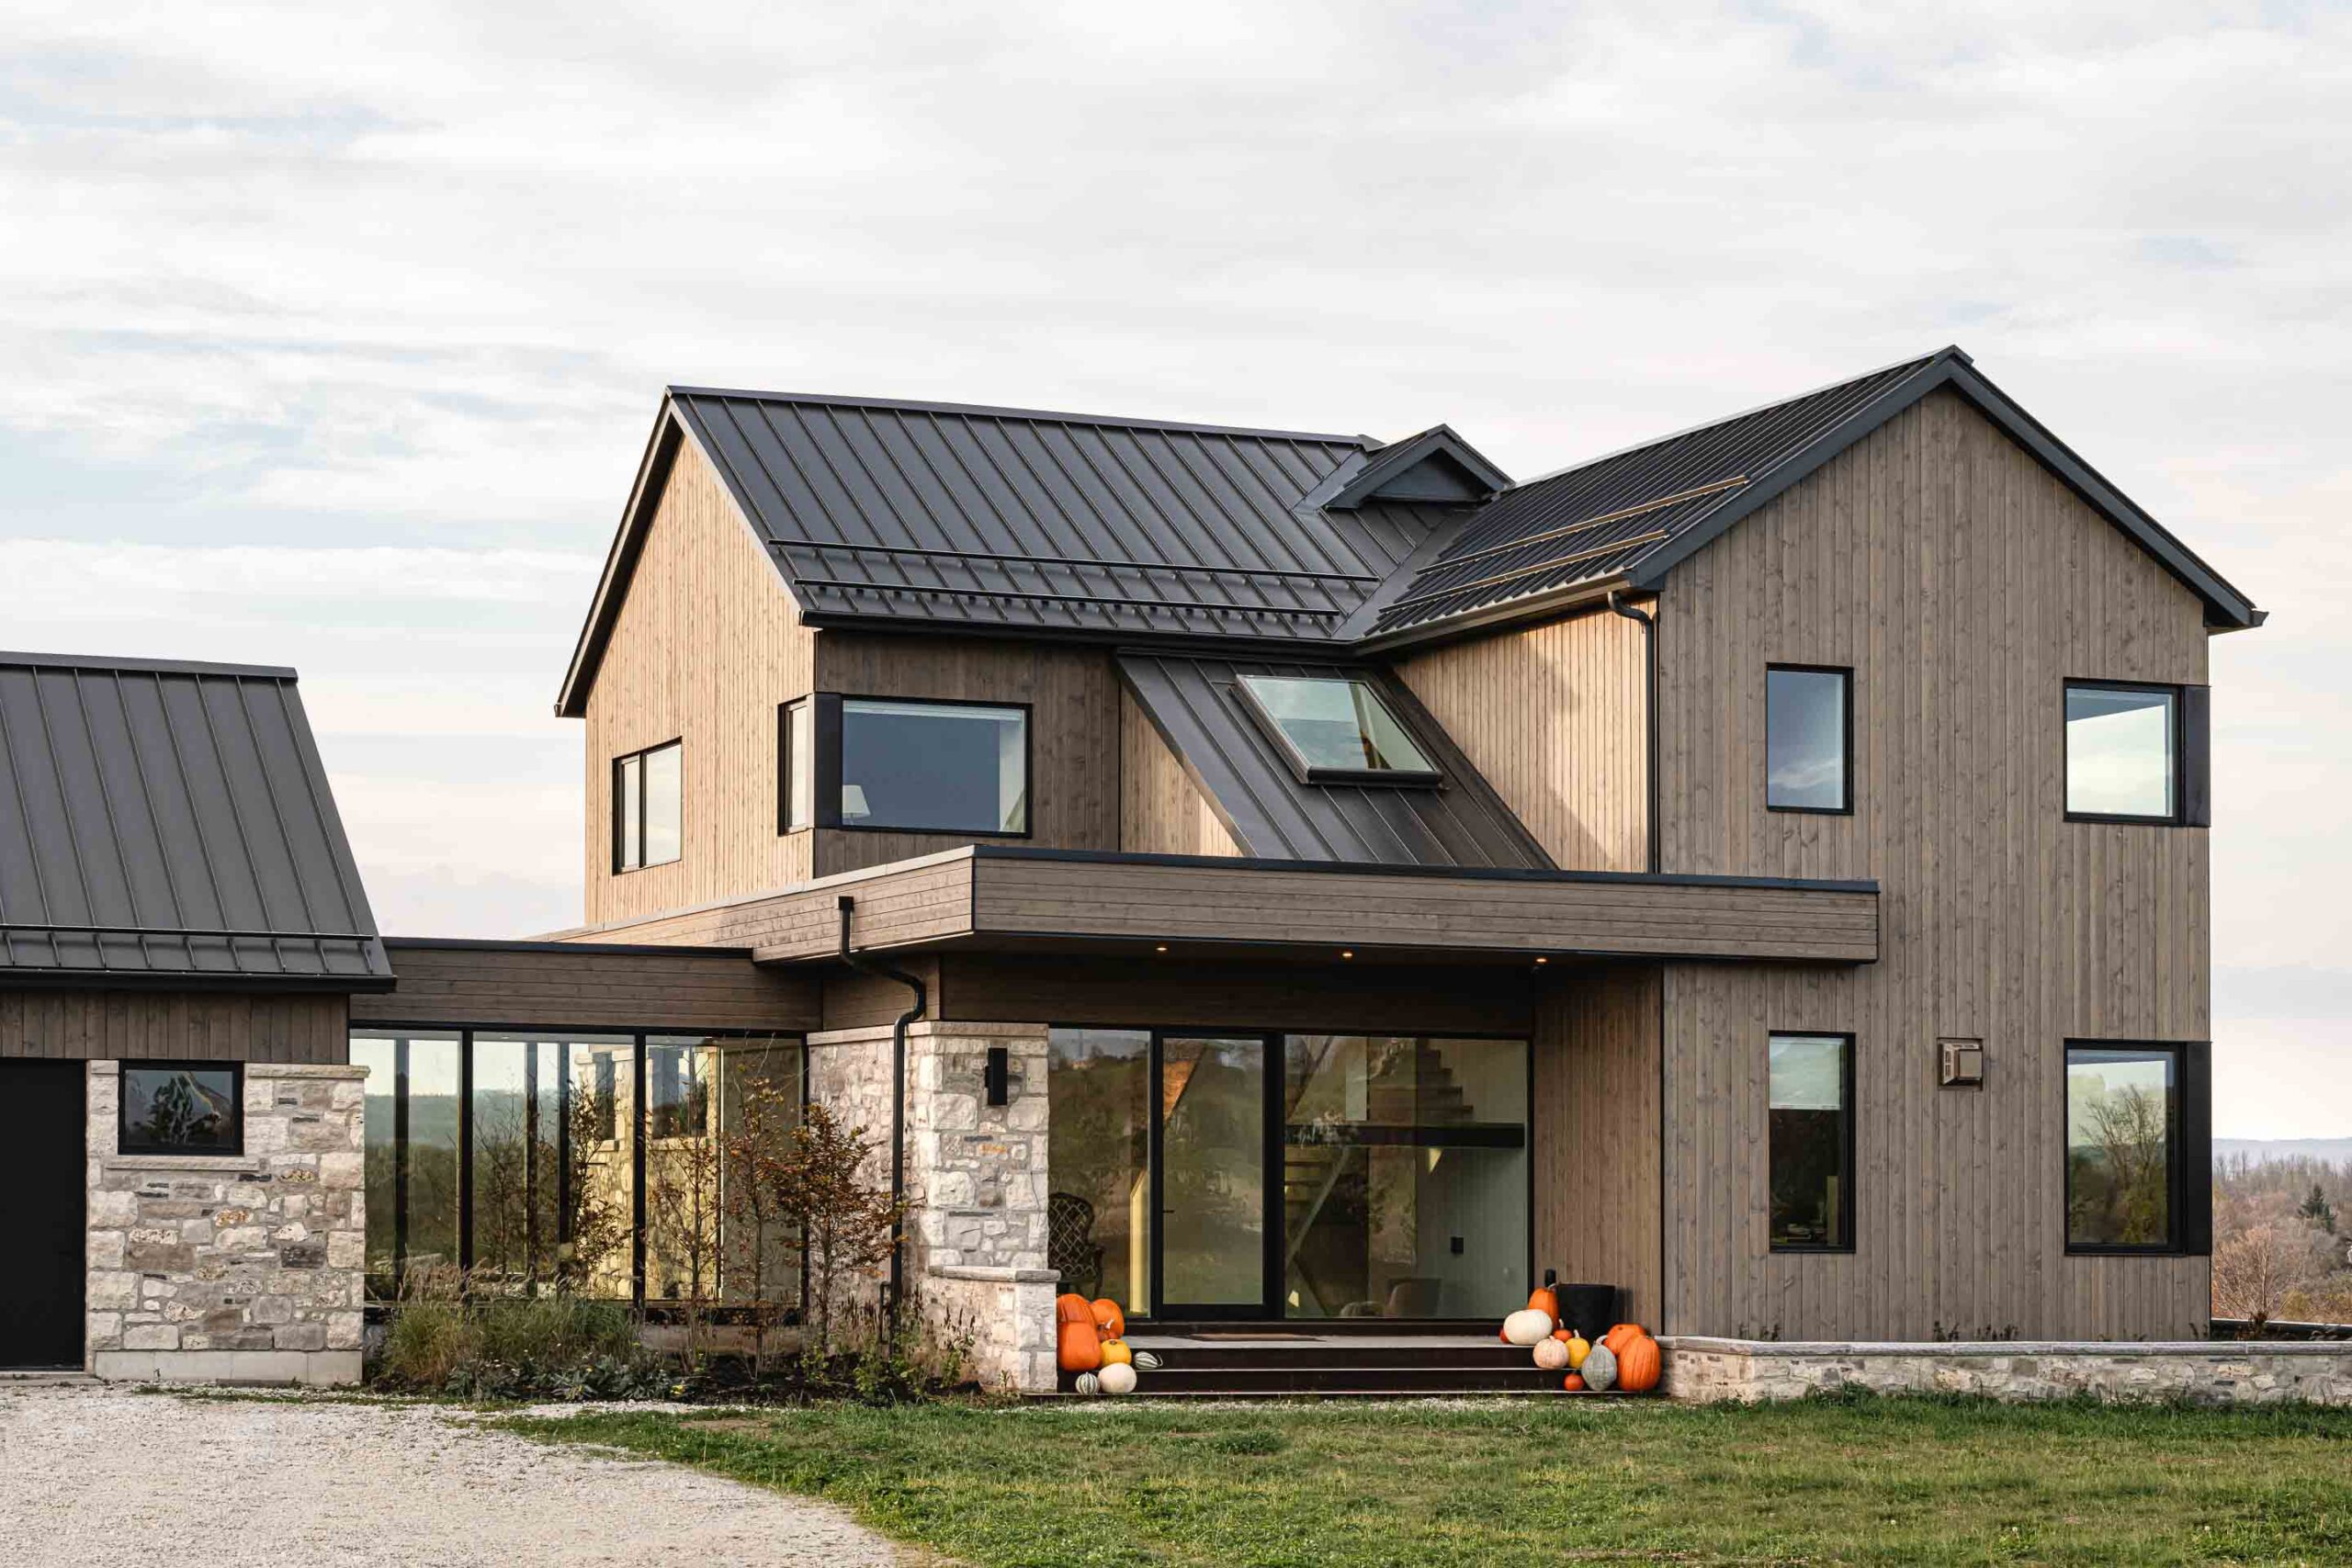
[2204, 1371]
[244, 1269]
[976, 1181]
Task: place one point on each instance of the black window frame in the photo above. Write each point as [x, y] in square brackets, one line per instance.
[1432, 777]
[2188, 1129]
[124, 1143]
[2191, 754]
[620, 861]
[1848, 1224]
[786, 759]
[826, 730]
[1846, 762]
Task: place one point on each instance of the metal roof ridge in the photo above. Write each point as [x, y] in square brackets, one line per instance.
[1046, 416]
[144, 666]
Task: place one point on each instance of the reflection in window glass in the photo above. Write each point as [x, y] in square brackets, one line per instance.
[2122, 1114]
[709, 1232]
[596, 1254]
[378, 1054]
[799, 764]
[934, 767]
[759, 1104]
[2119, 754]
[429, 1187]
[519, 1153]
[1405, 1176]
[1099, 1136]
[1805, 742]
[664, 802]
[1213, 1172]
[1812, 1143]
[182, 1110]
[1337, 725]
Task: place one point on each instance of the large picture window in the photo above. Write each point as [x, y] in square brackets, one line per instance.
[2123, 1156]
[933, 767]
[649, 790]
[1808, 738]
[183, 1108]
[2123, 753]
[1811, 1143]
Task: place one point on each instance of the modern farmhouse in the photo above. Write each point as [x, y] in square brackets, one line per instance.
[1260, 876]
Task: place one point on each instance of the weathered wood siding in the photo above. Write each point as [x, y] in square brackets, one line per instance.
[1596, 1129]
[197, 1026]
[529, 985]
[1073, 696]
[1962, 584]
[707, 643]
[1553, 716]
[1162, 810]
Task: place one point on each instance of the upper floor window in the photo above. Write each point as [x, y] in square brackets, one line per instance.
[1808, 738]
[2136, 753]
[933, 767]
[1336, 729]
[796, 765]
[2123, 1132]
[182, 1109]
[648, 789]
[1810, 1092]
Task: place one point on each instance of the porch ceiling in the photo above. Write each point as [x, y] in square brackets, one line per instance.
[1007, 898]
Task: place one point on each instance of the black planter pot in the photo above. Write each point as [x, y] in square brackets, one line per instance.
[1591, 1310]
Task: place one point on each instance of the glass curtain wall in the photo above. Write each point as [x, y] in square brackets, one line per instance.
[536, 1162]
[1098, 1216]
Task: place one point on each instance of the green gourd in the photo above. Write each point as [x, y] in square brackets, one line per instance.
[1599, 1367]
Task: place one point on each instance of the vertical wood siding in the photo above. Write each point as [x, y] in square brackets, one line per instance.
[707, 643]
[1595, 1131]
[1552, 717]
[1162, 810]
[1073, 730]
[199, 1026]
[1962, 584]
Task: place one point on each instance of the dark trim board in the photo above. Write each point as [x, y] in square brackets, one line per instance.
[1466, 873]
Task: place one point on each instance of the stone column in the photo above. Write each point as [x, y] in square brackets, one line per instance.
[233, 1268]
[975, 1183]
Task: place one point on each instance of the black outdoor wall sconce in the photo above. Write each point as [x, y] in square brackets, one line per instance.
[997, 1077]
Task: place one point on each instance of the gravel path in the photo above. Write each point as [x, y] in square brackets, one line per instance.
[98, 1477]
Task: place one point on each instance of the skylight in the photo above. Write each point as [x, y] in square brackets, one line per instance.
[1336, 729]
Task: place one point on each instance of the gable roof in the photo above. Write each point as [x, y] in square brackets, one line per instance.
[1272, 814]
[170, 822]
[953, 516]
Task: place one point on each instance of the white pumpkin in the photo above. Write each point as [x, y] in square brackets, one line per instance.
[1146, 1361]
[1118, 1378]
[1527, 1327]
[1088, 1383]
[1599, 1367]
[1551, 1354]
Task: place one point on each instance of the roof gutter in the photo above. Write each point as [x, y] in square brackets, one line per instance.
[847, 904]
[1647, 620]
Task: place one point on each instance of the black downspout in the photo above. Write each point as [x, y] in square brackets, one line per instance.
[1649, 650]
[898, 1100]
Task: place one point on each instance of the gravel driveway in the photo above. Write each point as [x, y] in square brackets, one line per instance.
[96, 1477]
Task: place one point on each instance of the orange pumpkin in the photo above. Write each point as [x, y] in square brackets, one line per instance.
[1081, 1347]
[1544, 1298]
[1108, 1318]
[1564, 1335]
[1071, 1307]
[1637, 1364]
[1615, 1338]
[1573, 1381]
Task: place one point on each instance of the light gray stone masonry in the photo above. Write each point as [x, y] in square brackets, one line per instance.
[976, 1181]
[2204, 1371]
[209, 1269]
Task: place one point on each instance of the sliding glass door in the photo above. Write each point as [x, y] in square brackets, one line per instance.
[1215, 1235]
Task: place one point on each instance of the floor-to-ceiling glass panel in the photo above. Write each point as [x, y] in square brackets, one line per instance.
[378, 1055]
[759, 1104]
[428, 1199]
[596, 1254]
[1405, 1177]
[705, 1222]
[1212, 1172]
[1098, 1216]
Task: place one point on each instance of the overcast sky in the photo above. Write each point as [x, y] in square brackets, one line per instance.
[332, 339]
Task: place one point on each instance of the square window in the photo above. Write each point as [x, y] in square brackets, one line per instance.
[183, 1108]
[1336, 729]
[934, 767]
[1808, 738]
[2123, 752]
[1811, 1138]
[2123, 1133]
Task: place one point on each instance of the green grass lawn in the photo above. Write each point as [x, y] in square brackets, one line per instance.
[1514, 1483]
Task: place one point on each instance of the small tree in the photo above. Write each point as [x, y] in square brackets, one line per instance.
[594, 1219]
[842, 1228]
[2318, 1210]
[685, 1172]
[755, 1230]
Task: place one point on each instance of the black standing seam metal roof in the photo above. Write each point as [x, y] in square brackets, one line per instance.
[943, 515]
[1272, 814]
[172, 822]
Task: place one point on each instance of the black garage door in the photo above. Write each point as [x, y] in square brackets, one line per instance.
[40, 1213]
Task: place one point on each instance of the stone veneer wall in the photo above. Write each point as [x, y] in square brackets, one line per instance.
[976, 1181]
[246, 1268]
[2205, 1371]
